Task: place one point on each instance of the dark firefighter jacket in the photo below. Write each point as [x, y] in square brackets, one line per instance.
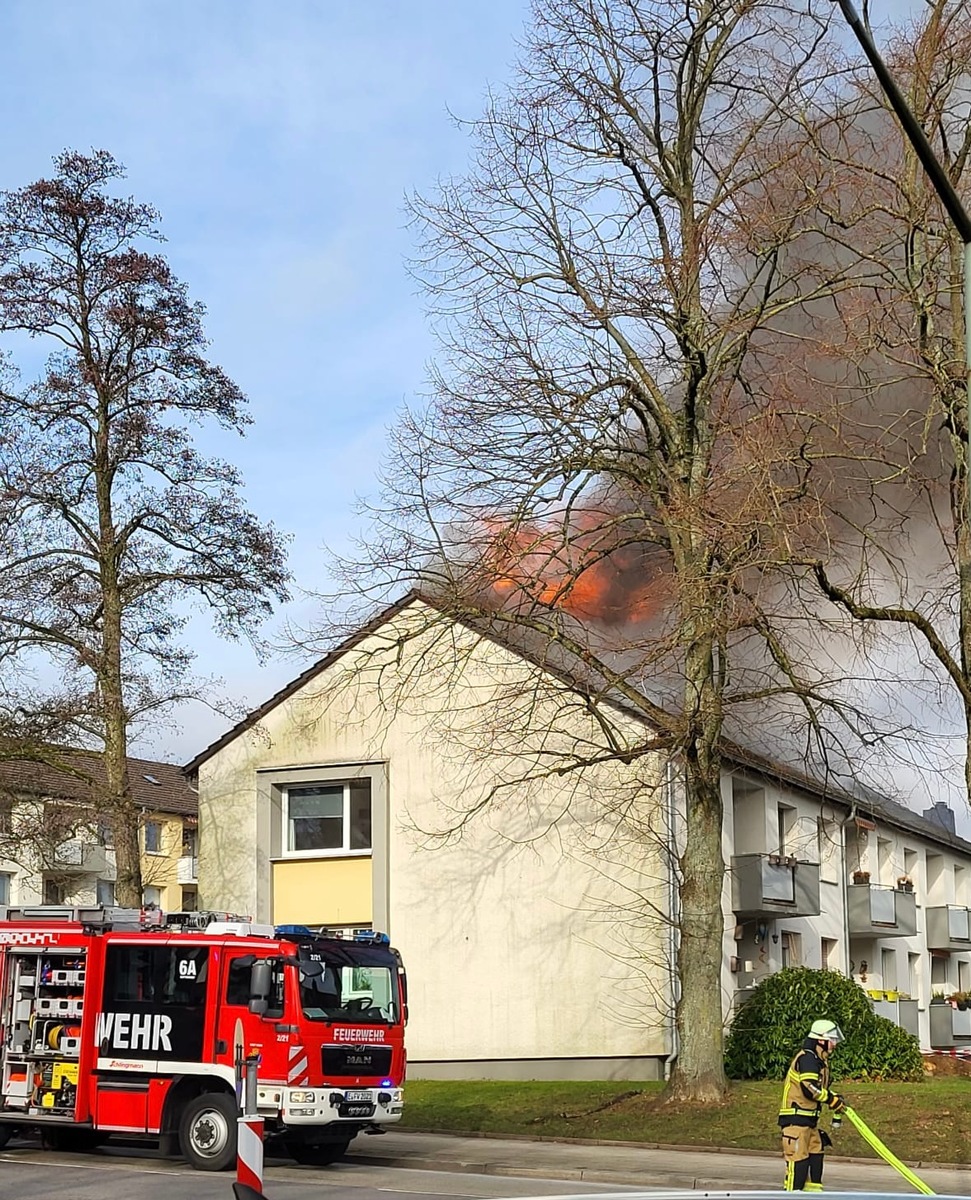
[806, 1088]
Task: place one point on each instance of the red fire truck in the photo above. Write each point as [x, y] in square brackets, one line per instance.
[112, 1026]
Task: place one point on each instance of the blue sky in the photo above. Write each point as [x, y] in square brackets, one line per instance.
[278, 141]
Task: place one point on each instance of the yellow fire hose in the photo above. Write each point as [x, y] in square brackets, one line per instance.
[888, 1156]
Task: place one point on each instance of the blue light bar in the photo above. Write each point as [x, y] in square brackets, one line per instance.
[375, 938]
[293, 931]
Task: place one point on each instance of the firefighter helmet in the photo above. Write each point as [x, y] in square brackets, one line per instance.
[826, 1031]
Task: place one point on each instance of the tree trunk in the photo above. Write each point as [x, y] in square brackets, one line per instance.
[699, 1073]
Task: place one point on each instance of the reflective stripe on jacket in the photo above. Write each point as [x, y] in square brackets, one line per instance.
[806, 1087]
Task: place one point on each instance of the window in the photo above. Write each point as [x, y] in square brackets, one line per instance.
[238, 987]
[154, 1001]
[106, 892]
[329, 819]
[791, 949]
[888, 969]
[105, 835]
[828, 839]
[913, 976]
[153, 837]
[190, 899]
[349, 993]
[5, 878]
[189, 842]
[162, 975]
[53, 892]
[786, 816]
[827, 954]
[885, 871]
[152, 897]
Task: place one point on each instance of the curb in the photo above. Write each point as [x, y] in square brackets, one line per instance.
[742, 1152]
[577, 1174]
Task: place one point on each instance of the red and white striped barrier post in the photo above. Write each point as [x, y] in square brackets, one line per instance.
[249, 1131]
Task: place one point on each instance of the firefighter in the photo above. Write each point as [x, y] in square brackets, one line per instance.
[804, 1093]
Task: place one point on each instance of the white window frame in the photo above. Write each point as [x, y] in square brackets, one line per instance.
[344, 851]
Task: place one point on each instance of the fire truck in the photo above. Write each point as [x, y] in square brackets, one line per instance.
[116, 1021]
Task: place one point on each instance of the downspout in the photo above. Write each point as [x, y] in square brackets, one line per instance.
[674, 925]
[844, 886]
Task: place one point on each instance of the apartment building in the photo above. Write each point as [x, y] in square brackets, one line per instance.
[861, 885]
[389, 786]
[55, 850]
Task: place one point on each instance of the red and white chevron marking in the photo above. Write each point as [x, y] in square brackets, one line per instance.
[249, 1152]
[297, 1066]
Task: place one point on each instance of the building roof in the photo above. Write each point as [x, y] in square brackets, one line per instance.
[855, 797]
[156, 786]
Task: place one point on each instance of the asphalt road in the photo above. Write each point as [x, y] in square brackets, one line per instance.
[115, 1173]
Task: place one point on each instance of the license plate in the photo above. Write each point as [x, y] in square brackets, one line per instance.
[352, 1095]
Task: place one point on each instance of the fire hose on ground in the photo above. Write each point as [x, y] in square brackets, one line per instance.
[887, 1155]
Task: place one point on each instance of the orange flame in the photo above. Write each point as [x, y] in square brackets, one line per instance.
[590, 573]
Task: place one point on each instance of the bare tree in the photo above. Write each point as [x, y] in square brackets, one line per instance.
[603, 470]
[110, 520]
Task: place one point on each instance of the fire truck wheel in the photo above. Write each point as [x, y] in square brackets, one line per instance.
[207, 1131]
[318, 1154]
[6, 1133]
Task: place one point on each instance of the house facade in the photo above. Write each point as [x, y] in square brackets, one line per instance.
[530, 886]
[55, 850]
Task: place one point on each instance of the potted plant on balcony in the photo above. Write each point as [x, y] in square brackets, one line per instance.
[959, 1000]
[937, 997]
[905, 883]
[861, 876]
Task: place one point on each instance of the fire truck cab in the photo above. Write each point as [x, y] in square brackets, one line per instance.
[114, 1021]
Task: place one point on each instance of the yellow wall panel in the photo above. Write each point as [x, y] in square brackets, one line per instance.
[322, 891]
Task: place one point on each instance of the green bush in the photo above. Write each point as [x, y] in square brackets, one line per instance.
[774, 1022]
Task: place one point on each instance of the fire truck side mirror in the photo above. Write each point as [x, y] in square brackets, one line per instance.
[260, 987]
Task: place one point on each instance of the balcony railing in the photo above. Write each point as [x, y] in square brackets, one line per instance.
[773, 885]
[949, 1026]
[187, 869]
[948, 927]
[901, 1012]
[87, 858]
[874, 911]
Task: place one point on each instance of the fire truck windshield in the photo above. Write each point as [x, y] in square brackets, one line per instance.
[350, 993]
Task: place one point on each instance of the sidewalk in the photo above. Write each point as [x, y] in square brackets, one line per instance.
[644, 1166]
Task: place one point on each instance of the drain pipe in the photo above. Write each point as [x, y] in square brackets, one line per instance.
[674, 915]
[844, 885]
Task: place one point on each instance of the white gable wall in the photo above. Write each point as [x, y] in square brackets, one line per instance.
[529, 934]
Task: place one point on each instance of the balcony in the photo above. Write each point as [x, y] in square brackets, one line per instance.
[773, 885]
[880, 912]
[187, 869]
[902, 1012]
[949, 1026]
[949, 928]
[86, 858]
